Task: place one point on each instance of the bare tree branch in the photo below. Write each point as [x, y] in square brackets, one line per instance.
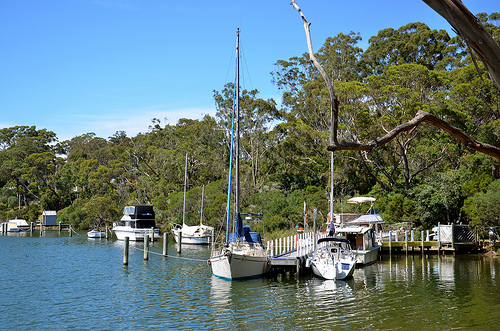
[479, 39]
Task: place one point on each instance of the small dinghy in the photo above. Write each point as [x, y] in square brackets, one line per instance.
[96, 234]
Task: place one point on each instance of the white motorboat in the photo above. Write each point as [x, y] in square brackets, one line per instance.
[192, 234]
[242, 255]
[332, 259]
[137, 221]
[96, 234]
[362, 230]
[16, 225]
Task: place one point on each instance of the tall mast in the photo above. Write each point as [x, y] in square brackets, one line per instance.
[237, 208]
[202, 196]
[331, 187]
[185, 187]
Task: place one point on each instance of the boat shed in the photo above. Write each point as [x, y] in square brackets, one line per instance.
[49, 217]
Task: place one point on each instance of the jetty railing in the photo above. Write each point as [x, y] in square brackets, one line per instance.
[302, 243]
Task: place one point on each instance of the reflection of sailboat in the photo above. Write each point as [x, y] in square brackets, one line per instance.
[242, 255]
[192, 234]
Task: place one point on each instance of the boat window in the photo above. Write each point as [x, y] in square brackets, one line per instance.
[129, 210]
[334, 250]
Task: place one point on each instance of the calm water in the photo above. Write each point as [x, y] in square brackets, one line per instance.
[56, 282]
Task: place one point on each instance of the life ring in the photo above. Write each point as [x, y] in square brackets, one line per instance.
[209, 263]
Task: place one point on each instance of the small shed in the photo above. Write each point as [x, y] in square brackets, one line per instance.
[49, 217]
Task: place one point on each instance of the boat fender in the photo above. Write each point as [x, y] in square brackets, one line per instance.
[209, 263]
[308, 262]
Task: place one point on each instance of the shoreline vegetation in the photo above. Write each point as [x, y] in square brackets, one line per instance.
[422, 178]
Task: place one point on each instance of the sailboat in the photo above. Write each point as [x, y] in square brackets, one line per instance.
[242, 255]
[332, 257]
[192, 234]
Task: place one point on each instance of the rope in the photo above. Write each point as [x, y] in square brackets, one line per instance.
[175, 257]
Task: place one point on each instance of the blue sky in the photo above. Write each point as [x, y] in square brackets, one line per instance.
[80, 66]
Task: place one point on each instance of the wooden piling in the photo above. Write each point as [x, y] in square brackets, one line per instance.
[31, 227]
[70, 230]
[107, 232]
[125, 251]
[146, 247]
[41, 229]
[60, 227]
[152, 233]
[179, 242]
[165, 244]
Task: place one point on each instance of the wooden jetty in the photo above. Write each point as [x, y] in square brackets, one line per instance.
[289, 254]
[452, 238]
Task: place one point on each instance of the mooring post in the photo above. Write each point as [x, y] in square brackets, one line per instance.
[146, 247]
[31, 227]
[439, 237]
[422, 239]
[179, 242]
[165, 244]
[60, 227]
[315, 213]
[107, 232]
[152, 234]
[70, 230]
[406, 241]
[125, 252]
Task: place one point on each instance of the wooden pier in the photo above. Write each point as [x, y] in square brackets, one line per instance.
[289, 254]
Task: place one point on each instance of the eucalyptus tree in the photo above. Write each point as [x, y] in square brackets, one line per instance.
[257, 116]
[27, 160]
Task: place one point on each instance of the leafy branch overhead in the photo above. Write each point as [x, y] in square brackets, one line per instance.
[475, 36]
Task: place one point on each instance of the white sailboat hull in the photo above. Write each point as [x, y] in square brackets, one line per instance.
[193, 240]
[238, 265]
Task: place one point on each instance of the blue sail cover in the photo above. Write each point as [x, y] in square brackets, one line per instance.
[247, 235]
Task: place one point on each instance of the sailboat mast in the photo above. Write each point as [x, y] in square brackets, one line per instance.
[202, 196]
[331, 187]
[185, 187]
[237, 207]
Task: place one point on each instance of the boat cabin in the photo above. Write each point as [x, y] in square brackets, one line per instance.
[138, 216]
[360, 237]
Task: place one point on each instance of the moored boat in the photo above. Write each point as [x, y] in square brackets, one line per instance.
[362, 231]
[137, 221]
[192, 234]
[242, 255]
[332, 259]
[96, 234]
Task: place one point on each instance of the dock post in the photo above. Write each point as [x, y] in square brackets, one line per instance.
[439, 238]
[152, 233]
[125, 251]
[390, 242]
[422, 238]
[146, 247]
[107, 232]
[41, 229]
[406, 241]
[70, 230]
[31, 227]
[165, 244]
[179, 242]
[315, 239]
[60, 227]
